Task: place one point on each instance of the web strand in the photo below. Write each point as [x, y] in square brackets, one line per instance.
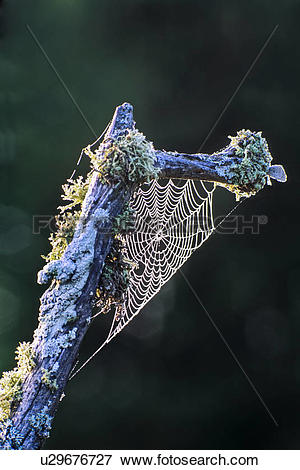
[92, 145]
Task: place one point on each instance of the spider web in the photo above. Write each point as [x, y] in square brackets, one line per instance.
[172, 221]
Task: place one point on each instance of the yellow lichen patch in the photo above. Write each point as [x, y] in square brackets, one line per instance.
[75, 192]
[65, 228]
[48, 380]
[11, 382]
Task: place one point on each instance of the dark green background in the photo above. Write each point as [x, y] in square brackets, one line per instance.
[168, 381]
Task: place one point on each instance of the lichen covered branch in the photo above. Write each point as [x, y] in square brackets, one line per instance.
[87, 265]
[243, 167]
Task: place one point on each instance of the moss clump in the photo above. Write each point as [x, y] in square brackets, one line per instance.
[115, 276]
[124, 223]
[129, 158]
[248, 174]
[12, 381]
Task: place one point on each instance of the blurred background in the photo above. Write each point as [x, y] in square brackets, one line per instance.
[168, 380]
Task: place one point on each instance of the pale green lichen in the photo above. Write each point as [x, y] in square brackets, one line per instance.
[129, 158]
[62, 272]
[12, 381]
[41, 423]
[65, 228]
[75, 191]
[53, 347]
[248, 173]
[68, 217]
